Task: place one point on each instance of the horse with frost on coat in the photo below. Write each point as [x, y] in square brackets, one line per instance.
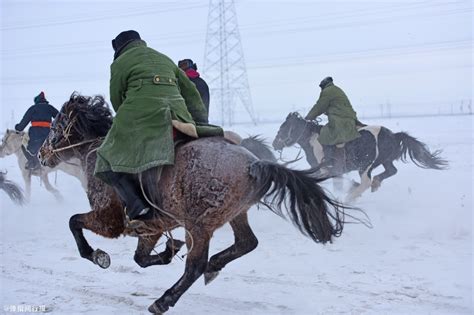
[212, 182]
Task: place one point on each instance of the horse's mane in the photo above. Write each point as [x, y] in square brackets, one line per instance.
[258, 146]
[259, 139]
[312, 125]
[92, 115]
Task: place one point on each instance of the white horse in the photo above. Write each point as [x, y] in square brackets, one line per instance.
[11, 144]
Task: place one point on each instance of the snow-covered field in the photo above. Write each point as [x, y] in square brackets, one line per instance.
[417, 258]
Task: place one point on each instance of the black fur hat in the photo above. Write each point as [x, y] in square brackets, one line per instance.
[123, 39]
[325, 82]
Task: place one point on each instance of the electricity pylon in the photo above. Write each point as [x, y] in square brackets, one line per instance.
[224, 64]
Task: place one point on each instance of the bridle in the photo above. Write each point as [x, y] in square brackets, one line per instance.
[66, 133]
[288, 139]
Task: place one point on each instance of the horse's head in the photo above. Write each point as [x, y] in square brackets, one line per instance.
[290, 131]
[11, 142]
[79, 120]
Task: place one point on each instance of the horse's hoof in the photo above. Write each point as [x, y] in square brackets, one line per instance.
[209, 276]
[375, 185]
[157, 308]
[101, 258]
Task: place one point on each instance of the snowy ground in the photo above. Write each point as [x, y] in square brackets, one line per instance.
[417, 259]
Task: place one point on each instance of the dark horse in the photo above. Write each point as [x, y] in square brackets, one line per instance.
[376, 146]
[211, 183]
[13, 190]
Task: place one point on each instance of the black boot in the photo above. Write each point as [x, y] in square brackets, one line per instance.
[32, 162]
[128, 190]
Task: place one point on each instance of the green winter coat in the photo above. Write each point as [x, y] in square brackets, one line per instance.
[341, 126]
[150, 95]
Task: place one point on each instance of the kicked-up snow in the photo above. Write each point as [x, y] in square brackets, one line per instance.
[417, 258]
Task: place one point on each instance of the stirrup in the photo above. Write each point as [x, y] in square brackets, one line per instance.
[138, 222]
[131, 224]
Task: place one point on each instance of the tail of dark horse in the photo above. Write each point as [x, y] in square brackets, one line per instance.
[299, 193]
[13, 191]
[419, 153]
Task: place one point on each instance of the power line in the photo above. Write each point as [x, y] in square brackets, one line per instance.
[257, 29]
[367, 53]
[91, 19]
[308, 59]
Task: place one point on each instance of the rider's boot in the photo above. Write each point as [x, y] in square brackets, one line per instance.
[128, 190]
[35, 164]
[32, 162]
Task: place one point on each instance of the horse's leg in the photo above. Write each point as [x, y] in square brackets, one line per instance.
[49, 187]
[27, 178]
[99, 223]
[245, 242]
[147, 243]
[390, 170]
[365, 182]
[196, 263]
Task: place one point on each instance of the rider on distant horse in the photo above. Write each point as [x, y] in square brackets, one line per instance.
[190, 68]
[40, 115]
[342, 120]
[155, 102]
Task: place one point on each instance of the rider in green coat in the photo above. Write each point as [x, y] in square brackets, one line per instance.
[342, 120]
[154, 101]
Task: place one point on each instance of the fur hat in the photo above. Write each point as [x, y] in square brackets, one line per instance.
[123, 39]
[185, 64]
[325, 82]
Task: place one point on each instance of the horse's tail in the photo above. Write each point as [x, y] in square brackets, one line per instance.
[307, 205]
[419, 152]
[13, 190]
[259, 148]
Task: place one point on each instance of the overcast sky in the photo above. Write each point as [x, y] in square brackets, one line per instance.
[411, 54]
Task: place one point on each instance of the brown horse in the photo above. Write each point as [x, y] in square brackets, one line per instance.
[211, 183]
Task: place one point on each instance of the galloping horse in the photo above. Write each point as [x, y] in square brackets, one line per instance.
[11, 144]
[211, 183]
[376, 146]
[13, 190]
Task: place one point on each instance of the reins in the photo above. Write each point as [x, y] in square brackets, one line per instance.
[296, 141]
[74, 145]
